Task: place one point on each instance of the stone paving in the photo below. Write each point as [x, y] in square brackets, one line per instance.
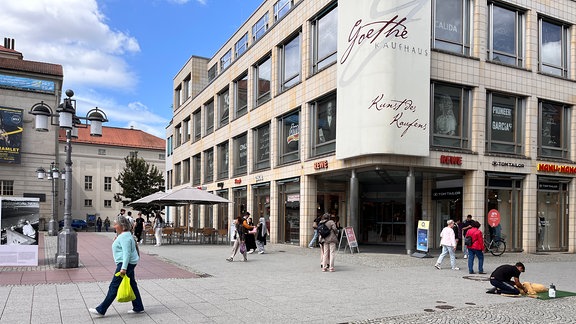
[285, 285]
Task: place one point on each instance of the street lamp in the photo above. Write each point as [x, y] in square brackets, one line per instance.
[53, 175]
[67, 255]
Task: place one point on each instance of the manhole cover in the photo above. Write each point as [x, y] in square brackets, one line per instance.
[204, 275]
[444, 307]
[470, 303]
[441, 302]
[429, 310]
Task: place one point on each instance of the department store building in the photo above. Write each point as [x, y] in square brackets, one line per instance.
[386, 113]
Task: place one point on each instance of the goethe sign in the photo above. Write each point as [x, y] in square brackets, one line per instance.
[383, 77]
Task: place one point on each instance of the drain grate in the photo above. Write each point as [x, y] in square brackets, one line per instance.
[477, 278]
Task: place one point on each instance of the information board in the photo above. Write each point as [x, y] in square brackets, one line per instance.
[351, 241]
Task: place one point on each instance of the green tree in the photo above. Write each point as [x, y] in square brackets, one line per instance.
[137, 180]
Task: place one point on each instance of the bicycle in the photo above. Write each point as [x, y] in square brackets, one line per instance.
[496, 246]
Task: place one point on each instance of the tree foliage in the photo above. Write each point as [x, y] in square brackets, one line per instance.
[138, 179]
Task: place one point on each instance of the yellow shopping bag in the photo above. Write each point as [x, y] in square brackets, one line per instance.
[125, 292]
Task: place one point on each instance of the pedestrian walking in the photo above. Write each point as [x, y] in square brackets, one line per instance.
[466, 225]
[476, 249]
[158, 225]
[448, 242]
[126, 258]
[139, 227]
[239, 239]
[251, 236]
[261, 234]
[99, 224]
[107, 223]
[328, 243]
[314, 240]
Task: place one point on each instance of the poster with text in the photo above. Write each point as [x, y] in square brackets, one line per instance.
[10, 135]
[19, 219]
[383, 94]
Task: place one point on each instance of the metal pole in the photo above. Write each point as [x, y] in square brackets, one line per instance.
[53, 224]
[67, 256]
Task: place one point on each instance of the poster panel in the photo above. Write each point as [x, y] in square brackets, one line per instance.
[19, 219]
[383, 98]
[422, 236]
[10, 135]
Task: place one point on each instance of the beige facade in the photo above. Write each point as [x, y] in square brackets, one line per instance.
[509, 148]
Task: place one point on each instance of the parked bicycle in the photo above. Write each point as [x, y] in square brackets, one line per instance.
[496, 246]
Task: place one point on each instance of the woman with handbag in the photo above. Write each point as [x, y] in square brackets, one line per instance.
[126, 257]
[239, 239]
[251, 237]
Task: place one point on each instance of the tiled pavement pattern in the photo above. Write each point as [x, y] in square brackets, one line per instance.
[285, 285]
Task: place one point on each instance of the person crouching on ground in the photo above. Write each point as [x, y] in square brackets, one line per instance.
[476, 249]
[448, 242]
[239, 239]
[329, 244]
[126, 257]
[501, 279]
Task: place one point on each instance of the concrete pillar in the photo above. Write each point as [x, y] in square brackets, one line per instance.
[410, 210]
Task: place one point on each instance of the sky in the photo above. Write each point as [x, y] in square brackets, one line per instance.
[122, 55]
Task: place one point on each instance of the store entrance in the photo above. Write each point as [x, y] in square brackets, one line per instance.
[383, 222]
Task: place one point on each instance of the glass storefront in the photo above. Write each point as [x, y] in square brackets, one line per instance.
[552, 224]
[504, 194]
[261, 206]
[289, 211]
[240, 200]
[222, 210]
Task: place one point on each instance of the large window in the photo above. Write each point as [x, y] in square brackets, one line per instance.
[107, 183]
[241, 154]
[186, 130]
[452, 25]
[178, 173]
[450, 116]
[289, 138]
[554, 130]
[325, 40]
[178, 95]
[323, 126]
[281, 8]
[223, 107]
[178, 134]
[260, 28]
[290, 66]
[504, 124]
[263, 77]
[197, 119]
[225, 60]
[186, 171]
[241, 95]
[209, 115]
[241, 45]
[212, 72]
[209, 165]
[506, 35]
[87, 182]
[553, 47]
[262, 147]
[223, 160]
[7, 187]
[196, 167]
[186, 89]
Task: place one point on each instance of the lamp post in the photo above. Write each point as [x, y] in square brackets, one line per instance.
[67, 255]
[53, 175]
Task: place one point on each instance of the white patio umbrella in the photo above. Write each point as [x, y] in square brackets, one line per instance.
[144, 201]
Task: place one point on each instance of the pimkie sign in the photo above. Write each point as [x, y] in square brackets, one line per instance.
[383, 98]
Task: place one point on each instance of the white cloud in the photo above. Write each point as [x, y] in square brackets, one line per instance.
[73, 33]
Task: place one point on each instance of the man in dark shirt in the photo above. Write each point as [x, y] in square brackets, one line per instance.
[466, 225]
[501, 279]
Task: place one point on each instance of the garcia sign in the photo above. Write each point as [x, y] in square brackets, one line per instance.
[383, 78]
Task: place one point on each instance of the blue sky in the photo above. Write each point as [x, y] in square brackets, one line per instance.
[122, 55]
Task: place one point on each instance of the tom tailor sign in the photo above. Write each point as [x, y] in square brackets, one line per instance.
[383, 95]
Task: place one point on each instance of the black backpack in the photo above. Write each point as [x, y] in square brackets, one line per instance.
[323, 230]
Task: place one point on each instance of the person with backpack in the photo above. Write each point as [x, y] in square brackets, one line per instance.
[315, 237]
[328, 234]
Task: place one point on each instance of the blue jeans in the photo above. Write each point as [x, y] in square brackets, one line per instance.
[447, 250]
[480, 255]
[314, 239]
[137, 305]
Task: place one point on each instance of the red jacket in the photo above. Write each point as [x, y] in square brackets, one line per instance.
[477, 239]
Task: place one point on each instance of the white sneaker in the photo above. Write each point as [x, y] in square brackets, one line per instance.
[455, 268]
[251, 251]
[261, 252]
[95, 312]
[437, 266]
[465, 256]
[135, 312]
